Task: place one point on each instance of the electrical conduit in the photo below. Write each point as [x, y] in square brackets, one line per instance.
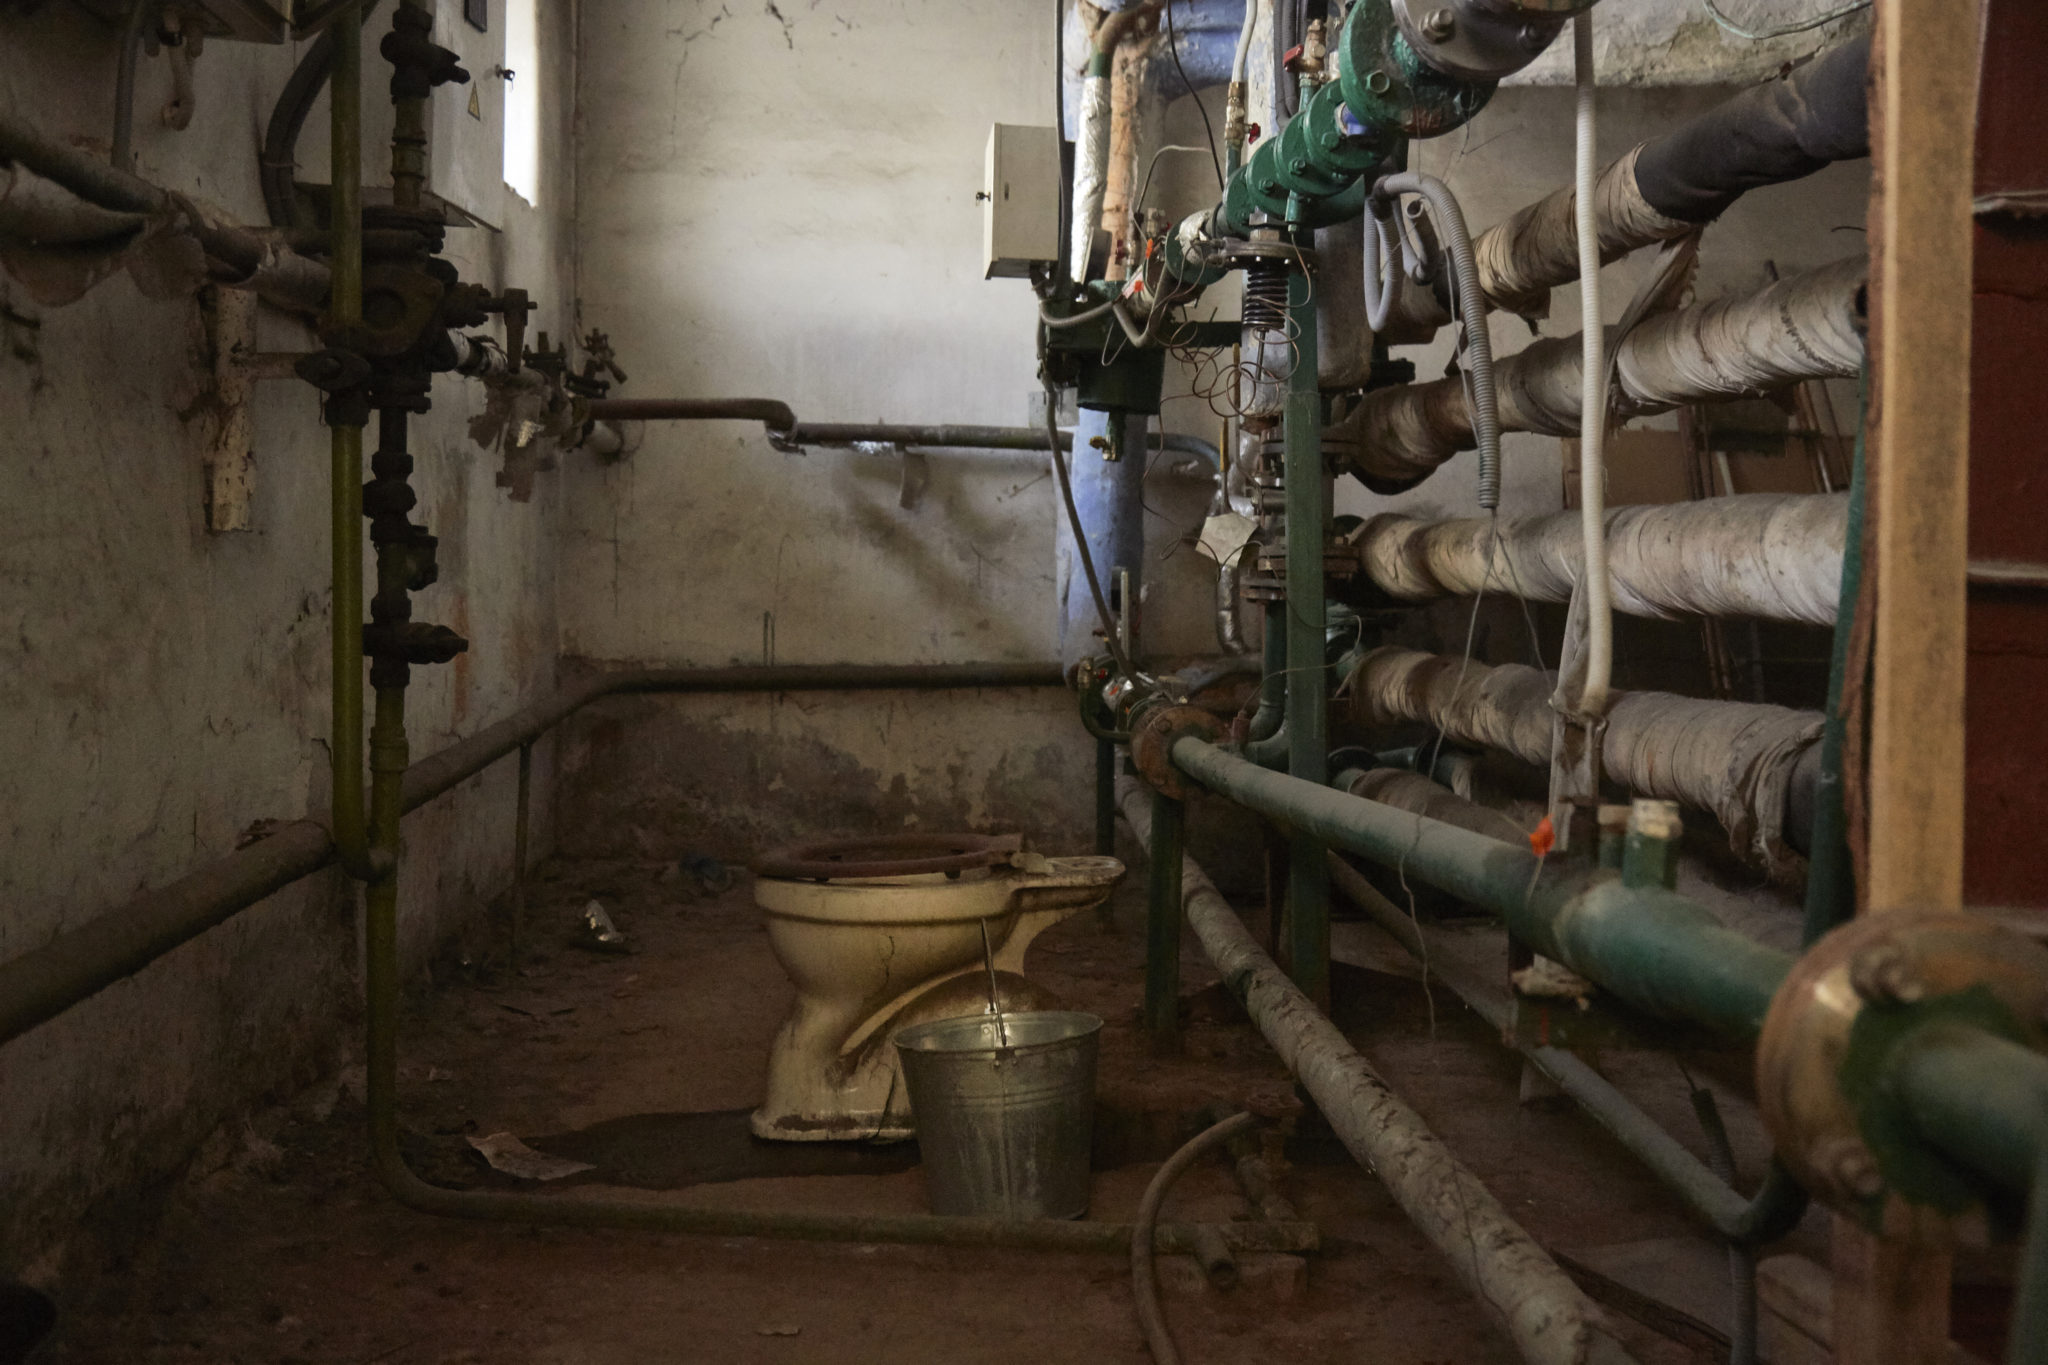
[1593, 381]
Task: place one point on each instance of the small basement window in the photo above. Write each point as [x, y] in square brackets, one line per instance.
[522, 100]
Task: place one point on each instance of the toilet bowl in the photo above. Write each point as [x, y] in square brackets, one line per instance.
[880, 933]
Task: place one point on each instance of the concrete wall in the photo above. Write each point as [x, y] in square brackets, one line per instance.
[165, 689]
[780, 201]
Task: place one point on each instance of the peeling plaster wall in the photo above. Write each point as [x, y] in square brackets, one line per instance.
[779, 201]
[165, 689]
[1677, 43]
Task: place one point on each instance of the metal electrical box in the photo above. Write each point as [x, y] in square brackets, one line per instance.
[1020, 223]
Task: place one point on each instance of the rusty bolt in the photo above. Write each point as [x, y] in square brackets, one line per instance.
[1440, 24]
[1853, 1166]
[1883, 975]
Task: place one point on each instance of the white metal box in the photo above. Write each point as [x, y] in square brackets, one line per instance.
[1021, 200]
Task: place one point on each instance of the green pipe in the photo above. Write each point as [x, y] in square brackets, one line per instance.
[345, 478]
[1307, 726]
[1830, 869]
[1649, 946]
[1272, 709]
[1980, 1099]
[1518, 1286]
[1774, 1211]
[1162, 919]
[1105, 795]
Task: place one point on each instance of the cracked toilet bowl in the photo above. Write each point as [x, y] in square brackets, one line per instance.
[880, 933]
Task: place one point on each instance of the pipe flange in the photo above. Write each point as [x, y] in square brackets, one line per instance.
[1849, 1003]
[1152, 741]
[1474, 40]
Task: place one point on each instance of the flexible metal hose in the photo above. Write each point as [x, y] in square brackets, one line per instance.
[1471, 307]
[1144, 1284]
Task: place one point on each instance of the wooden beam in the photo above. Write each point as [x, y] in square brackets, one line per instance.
[1923, 113]
[1891, 1299]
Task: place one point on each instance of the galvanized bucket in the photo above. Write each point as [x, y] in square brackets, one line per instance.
[1004, 1131]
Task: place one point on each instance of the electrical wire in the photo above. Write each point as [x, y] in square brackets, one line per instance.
[1781, 30]
[1173, 50]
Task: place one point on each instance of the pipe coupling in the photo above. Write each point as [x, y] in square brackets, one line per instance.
[1839, 1027]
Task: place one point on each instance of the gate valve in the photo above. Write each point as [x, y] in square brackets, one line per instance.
[418, 63]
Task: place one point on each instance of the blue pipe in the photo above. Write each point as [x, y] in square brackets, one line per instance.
[1109, 495]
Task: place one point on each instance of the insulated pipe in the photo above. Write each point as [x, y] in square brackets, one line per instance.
[1109, 499]
[243, 259]
[1773, 556]
[1738, 760]
[38, 986]
[1782, 130]
[1521, 1290]
[1598, 590]
[1805, 326]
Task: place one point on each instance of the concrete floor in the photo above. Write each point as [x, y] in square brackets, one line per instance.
[280, 1247]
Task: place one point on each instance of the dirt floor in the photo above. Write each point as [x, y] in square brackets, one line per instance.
[284, 1249]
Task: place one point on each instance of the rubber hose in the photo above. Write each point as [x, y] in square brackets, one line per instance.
[1472, 309]
[1144, 1285]
[277, 165]
[1384, 246]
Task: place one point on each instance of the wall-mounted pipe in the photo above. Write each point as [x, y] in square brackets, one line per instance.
[769, 412]
[1805, 326]
[1774, 556]
[237, 257]
[1521, 1290]
[78, 964]
[958, 437]
[1810, 117]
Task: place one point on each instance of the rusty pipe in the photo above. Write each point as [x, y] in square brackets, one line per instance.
[38, 986]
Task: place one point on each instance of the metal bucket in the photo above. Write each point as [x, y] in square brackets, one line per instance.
[1004, 1132]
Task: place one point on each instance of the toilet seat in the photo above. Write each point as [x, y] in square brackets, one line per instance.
[888, 856]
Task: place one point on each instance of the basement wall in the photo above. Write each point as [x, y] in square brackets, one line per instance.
[779, 201]
[166, 689]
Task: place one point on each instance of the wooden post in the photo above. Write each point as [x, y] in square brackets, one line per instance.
[1923, 112]
[1891, 1300]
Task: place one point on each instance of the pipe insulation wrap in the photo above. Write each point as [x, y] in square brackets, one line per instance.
[1805, 326]
[1091, 166]
[1810, 117]
[1522, 1290]
[1522, 259]
[1733, 759]
[1774, 556]
[1782, 130]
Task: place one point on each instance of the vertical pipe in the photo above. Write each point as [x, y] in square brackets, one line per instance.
[519, 829]
[1308, 891]
[1105, 798]
[1162, 922]
[1109, 499]
[1830, 872]
[409, 125]
[388, 757]
[345, 312]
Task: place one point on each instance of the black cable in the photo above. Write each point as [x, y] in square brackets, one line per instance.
[276, 167]
[1209, 129]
